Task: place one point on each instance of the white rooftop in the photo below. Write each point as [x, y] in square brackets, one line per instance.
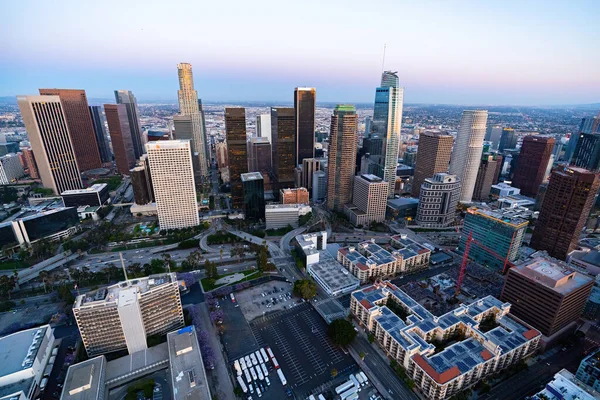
[96, 187]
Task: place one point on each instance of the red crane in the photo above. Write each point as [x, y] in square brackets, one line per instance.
[465, 259]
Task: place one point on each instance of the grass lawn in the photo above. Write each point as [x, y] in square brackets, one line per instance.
[208, 284]
[12, 265]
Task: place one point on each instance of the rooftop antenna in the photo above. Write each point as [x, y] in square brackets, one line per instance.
[383, 61]
[123, 265]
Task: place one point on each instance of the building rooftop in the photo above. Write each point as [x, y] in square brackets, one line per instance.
[553, 274]
[96, 187]
[19, 350]
[508, 216]
[371, 178]
[332, 273]
[251, 176]
[188, 376]
[168, 144]
[403, 202]
[154, 355]
[407, 247]
[566, 386]
[84, 379]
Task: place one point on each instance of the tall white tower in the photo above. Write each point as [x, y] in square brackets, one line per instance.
[190, 106]
[466, 155]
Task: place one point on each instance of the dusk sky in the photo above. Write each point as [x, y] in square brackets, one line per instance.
[459, 52]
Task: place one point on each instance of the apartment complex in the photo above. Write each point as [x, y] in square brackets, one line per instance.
[369, 261]
[294, 196]
[173, 182]
[589, 370]
[123, 315]
[437, 201]
[533, 163]
[497, 234]
[304, 115]
[435, 149]
[369, 200]
[477, 353]
[120, 136]
[546, 294]
[342, 156]
[254, 195]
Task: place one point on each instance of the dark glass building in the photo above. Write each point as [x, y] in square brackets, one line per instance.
[304, 110]
[508, 139]
[96, 195]
[141, 181]
[7, 235]
[587, 152]
[45, 224]
[283, 146]
[533, 163]
[235, 133]
[254, 195]
[127, 98]
[100, 131]
[120, 135]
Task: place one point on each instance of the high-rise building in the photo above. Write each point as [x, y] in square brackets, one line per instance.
[437, 200]
[533, 162]
[499, 231]
[259, 155]
[373, 145]
[100, 132]
[508, 140]
[466, 156]
[369, 200]
[435, 149]
[123, 315]
[173, 181]
[235, 132]
[30, 164]
[120, 136]
[319, 191]
[283, 143]
[221, 152]
[587, 152]
[10, 169]
[183, 127]
[487, 175]
[546, 294]
[127, 98]
[587, 125]
[304, 111]
[190, 106]
[342, 155]
[294, 196]
[51, 142]
[254, 195]
[589, 370]
[309, 166]
[263, 126]
[493, 135]
[565, 208]
[387, 123]
[81, 128]
[141, 181]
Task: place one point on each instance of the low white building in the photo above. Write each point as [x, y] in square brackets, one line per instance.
[310, 244]
[281, 215]
[10, 169]
[566, 386]
[503, 189]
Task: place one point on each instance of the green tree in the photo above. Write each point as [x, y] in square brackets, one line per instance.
[210, 269]
[7, 284]
[135, 269]
[341, 332]
[305, 288]
[157, 265]
[262, 258]
[64, 293]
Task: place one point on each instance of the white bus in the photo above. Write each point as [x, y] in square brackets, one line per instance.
[238, 369]
[243, 363]
[343, 387]
[281, 377]
[264, 369]
[253, 372]
[242, 384]
[248, 377]
[264, 355]
[270, 352]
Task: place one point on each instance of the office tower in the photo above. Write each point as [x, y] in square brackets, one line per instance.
[546, 294]
[294, 196]
[437, 200]
[487, 175]
[304, 115]
[387, 123]
[493, 135]
[368, 120]
[566, 206]
[127, 98]
[172, 174]
[100, 133]
[30, 164]
[319, 191]
[263, 126]
[259, 155]
[190, 106]
[221, 152]
[369, 200]
[235, 132]
[123, 315]
[373, 145]
[533, 161]
[141, 182]
[497, 231]
[410, 156]
[283, 143]
[309, 166]
[435, 149]
[466, 155]
[508, 140]
[51, 142]
[81, 128]
[587, 152]
[589, 370]
[120, 136]
[342, 153]
[254, 195]
[10, 169]
[587, 125]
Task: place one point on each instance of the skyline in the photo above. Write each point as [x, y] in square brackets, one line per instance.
[519, 54]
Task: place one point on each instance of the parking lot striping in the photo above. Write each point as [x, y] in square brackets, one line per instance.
[284, 347]
[323, 339]
[309, 350]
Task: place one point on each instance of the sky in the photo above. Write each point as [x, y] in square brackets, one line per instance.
[522, 52]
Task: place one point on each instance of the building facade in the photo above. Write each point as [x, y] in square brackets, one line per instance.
[294, 196]
[369, 200]
[589, 370]
[508, 140]
[263, 126]
[254, 195]
[10, 169]
[259, 155]
[235, 132]
[281, 215]
[309, 167]
[342, 156]
[319, 186]
[587, 151]
[487, 175]
[127, 98]
[533, 163]
[221, 151]
[435, 149]
[141, 182]
[304, 111]
[283, 144]
[100, 133]
[30, 165]
[120, 136]
[437, 201]
[95, 195]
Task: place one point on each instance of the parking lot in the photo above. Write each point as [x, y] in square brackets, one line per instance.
[237, 335]
[266, 298]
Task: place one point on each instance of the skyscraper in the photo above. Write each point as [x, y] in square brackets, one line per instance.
[100, 132]
[387, 122]
[259, 157]
[189, 105]
[143, 192]
[319, 186]
[263, 126]
[342, 154]
[587, 125]
[51, 143]
[172, 175]
[120, 136]
[369, 200]
[127, 98]
[304, 112]
[221, 154]
[79, 122]
[566, 206]
[309, 166]
[235, 132]
[493, 134]
[437, 200]
[587, 152]
[433, 157]
[254, 195]
[533, 161]
[508, 139]
[487, 175]
[283, 145]
[466, 156]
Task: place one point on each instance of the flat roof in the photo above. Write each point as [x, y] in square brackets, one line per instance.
[96, 187]
[508, 216]
[251, 176]
[168, 144]
[136, 361]
[553, 274]
[83, 380]
[566, 386]
[188, 376]
[371, 178]
[16, 348]
[332, 273]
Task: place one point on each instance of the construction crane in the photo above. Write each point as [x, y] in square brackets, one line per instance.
[465, 259]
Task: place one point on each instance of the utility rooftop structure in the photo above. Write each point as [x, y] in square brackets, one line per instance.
[123, 315]
[476, 353]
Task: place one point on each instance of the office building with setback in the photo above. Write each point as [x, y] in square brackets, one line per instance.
[497, 235]
[546, 293]
[437, 201]
[98, 121]
[439, 374]
[123, 315]
[141, 182]
[254, 195]
[283, 144]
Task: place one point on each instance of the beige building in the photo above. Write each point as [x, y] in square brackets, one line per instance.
[433, 157]
[51, 142]
[294, 196]
[369, 200]
[123, 315]
[172, 176]
[342, 156]
[309, 167]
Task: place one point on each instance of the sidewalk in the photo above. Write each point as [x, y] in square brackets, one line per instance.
[371, 375]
